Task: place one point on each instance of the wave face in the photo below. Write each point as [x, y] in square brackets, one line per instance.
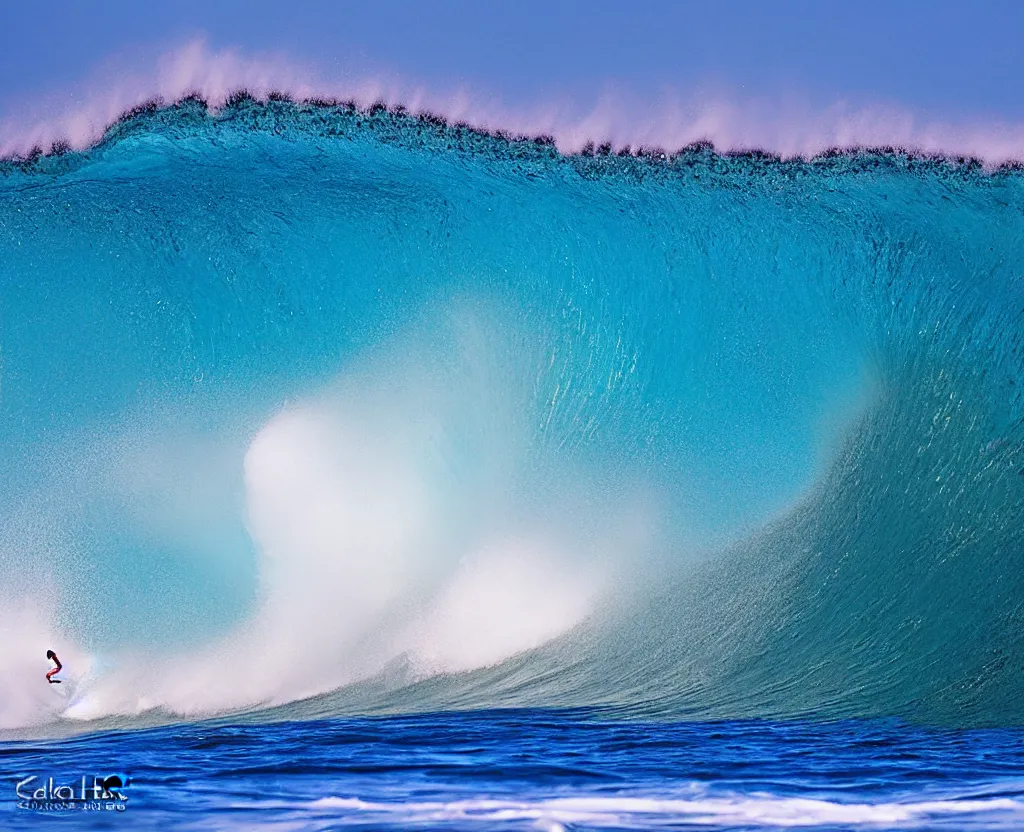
[375, 413]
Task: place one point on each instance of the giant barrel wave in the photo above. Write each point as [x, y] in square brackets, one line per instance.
[323, 410]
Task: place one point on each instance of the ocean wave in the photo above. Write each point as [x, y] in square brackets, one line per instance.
[381, 413]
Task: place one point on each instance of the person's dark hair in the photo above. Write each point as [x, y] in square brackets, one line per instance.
[50, 654]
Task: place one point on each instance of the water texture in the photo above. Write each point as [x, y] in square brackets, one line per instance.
[533, 770]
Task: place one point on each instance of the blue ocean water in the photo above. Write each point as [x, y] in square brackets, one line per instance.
[530, 769]
[698, 476]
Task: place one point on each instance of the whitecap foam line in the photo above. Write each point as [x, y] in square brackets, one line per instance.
[790, 129]
[557, 814]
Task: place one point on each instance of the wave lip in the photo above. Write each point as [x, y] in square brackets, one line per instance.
[789, 131]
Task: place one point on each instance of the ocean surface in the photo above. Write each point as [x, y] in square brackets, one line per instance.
[529, 769]
[367, 469]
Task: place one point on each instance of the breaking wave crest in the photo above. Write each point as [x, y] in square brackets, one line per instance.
[622, 122]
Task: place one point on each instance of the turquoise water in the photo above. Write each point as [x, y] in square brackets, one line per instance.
[338, 413]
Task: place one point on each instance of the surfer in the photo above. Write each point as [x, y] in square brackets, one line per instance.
[50, 674]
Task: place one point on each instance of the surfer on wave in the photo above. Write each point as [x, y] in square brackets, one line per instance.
[50, 674]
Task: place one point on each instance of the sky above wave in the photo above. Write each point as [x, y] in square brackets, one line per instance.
[791, 76]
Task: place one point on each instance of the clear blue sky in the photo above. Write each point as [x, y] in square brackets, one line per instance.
[938, 57]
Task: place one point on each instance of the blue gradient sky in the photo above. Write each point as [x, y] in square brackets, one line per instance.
[938, 58]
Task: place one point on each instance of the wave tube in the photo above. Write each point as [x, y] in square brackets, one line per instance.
[327, 410]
